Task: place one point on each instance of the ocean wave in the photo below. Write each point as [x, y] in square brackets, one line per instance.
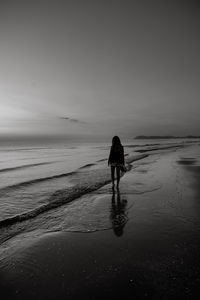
[85, 181]
[129, 159]
[23, 149]
[87, 166]
[24, 167]
[141, 145]
[134, 157]
[57, 199]
[37, 180]
[159, 148]
[102, 159]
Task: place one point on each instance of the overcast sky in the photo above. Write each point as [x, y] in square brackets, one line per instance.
[99, 67]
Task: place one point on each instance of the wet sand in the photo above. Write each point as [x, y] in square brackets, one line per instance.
[140, 243]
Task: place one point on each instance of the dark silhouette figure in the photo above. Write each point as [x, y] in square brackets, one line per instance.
[116, 159]
[118, 216]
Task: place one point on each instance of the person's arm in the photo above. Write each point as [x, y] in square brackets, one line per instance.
[109, 157]
[123, 155]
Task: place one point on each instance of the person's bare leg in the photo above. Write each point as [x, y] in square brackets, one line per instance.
[113, 176]
[118, 176]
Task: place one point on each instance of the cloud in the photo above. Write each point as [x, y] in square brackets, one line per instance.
[72, 120]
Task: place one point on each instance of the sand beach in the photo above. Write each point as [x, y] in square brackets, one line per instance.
[141, 242]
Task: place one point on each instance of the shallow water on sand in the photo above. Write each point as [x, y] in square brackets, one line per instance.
[31, 176]
[149, 250]
[153, 195]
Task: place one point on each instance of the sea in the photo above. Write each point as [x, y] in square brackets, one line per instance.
[37, 176]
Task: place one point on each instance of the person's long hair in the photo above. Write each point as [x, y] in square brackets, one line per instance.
[116, 143]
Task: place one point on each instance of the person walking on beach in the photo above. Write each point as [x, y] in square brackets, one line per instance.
[116, 159]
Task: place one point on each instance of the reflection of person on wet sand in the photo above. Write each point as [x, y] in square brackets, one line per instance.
[118, 216]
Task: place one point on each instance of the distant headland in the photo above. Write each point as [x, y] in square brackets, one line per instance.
[154, 137]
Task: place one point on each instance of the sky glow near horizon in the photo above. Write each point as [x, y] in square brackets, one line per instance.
[99, 67]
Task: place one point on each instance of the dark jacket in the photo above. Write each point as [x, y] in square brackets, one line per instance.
[116, 155]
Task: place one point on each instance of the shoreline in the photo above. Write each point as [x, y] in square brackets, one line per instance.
[73, 193]
[74, 188]
[150, 248]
